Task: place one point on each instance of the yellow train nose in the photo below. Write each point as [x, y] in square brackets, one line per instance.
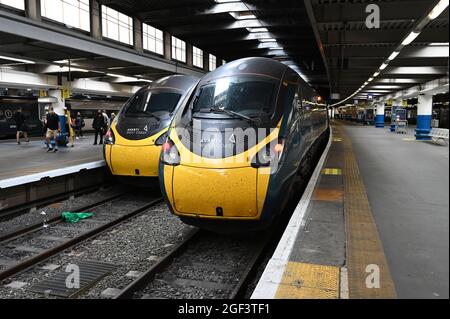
[133, 160]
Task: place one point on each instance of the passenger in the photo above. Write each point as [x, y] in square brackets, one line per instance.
[21, 127]
[98, 125]
[53, 129]
[105, 116]
[79, 124]
[113, 116]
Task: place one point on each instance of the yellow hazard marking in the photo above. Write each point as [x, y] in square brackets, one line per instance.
[331, 171]
[337, 139]
[309, 281]
[366, 261]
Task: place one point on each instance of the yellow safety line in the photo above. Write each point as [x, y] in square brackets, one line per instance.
[331, 171]
[368, 271]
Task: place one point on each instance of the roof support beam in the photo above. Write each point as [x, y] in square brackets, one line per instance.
[24, 27]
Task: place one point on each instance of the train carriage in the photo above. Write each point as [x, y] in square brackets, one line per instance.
[235, 146]
[133, 142]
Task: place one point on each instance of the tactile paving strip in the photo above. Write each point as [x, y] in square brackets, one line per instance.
[90, 272]
[365, 254]
[309, 281]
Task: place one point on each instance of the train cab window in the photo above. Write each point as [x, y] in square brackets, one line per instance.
[145, 103]
[250, 96]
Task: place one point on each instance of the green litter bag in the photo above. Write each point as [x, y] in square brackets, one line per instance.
[75, 217]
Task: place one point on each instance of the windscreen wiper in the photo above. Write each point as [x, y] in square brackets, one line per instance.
[233, 113]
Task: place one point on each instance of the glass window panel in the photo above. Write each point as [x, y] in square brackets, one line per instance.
[117, 26]
[74, 13]
[153, 39]
[197, 55]
[178, 49]
[18, 4]
[212, 62]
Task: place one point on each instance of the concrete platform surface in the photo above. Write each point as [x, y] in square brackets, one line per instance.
[372, 223]
[407, 183]
[26, 159]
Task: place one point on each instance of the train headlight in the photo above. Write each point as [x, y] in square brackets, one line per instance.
[160, 140]
[269, 155]
[109, 137]
[169, 153]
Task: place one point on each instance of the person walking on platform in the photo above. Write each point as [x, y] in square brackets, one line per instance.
[106, 118]
[79, 124]
[21, 127]
[98, 125]
[53, 129]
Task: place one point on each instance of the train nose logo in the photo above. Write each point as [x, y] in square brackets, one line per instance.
[232, 139]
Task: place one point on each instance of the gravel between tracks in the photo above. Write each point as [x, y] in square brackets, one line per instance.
[54, 210]
[130, 246]
[210, 268]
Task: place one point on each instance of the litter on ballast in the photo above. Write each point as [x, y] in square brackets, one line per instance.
[71, 217]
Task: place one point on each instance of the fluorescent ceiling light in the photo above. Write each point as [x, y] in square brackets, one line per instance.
[16, 59]
[243, 15]
[257, 30]
[438, 44]
[393, 55]
[437, 10]
[410, 38]
[274, 46]
[383, 66]
[67, 69]
[370, 80]
[115, 75]
[267, 40]
[225, 1]
[376, 74]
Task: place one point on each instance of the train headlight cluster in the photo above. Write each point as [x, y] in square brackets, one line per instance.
[170, 154]
[160, 140]
[269, 155]
[109, 137]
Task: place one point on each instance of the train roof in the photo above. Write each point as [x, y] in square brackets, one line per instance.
[251, 66]
[177, 82]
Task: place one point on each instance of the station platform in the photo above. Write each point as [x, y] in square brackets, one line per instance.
[20, 164]
[373, 222]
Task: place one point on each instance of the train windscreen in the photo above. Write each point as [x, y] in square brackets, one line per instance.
[250, 96]
[145, 103]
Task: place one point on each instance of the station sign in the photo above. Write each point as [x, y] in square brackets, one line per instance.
[65, 93]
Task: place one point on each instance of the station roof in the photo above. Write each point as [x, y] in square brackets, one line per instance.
[326, 41]
[354, 52]
[237, 29]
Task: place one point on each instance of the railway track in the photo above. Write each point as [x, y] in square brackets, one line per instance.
[6, 213]
[202, 265]
[29, 228]
[25, 248]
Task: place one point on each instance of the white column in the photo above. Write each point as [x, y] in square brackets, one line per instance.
[424, 110]
[379, 118]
